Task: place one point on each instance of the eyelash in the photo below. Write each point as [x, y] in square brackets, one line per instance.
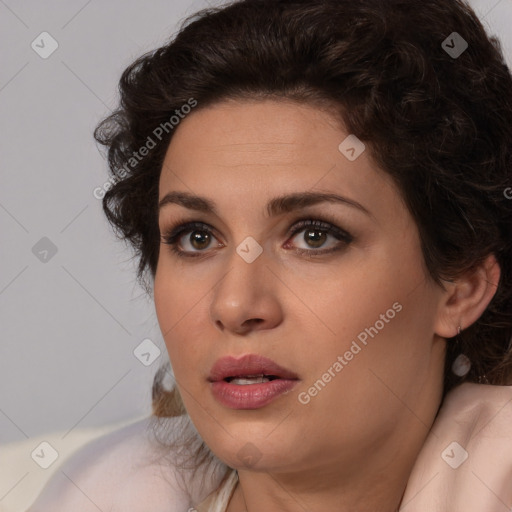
[173, 234]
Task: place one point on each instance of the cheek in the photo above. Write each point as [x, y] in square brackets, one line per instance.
[169, 312]
[369, 298]
[378, 319]
[381, 358]
[178, 305]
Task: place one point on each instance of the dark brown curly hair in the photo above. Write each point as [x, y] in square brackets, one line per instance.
[438, 121]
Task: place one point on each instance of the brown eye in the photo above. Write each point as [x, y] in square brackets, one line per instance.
[316, 234]
[200, 239]
[315, 237]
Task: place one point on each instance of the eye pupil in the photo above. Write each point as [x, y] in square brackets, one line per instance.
[318, 241]
[202, 238]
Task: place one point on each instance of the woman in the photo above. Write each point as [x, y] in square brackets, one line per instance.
[316, 191]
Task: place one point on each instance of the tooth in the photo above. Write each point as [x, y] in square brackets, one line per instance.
[254, 380]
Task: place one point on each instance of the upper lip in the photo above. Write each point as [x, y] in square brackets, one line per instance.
[251, 364]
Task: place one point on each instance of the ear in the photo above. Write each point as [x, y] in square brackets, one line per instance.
[467, 297]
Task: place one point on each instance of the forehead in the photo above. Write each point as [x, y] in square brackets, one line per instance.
[248, 151]
[255, 134]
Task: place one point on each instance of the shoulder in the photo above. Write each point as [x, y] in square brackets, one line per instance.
[466, 461]
[124, 470]
[477, 411]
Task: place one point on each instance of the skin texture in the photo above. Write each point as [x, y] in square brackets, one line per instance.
[354, 444]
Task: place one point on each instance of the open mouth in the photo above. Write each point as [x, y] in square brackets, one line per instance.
[249, 382]
[250, 379]
[249, 369]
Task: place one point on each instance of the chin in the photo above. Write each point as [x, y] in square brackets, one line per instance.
[250, 448]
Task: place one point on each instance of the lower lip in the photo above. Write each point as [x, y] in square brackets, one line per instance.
[250, 396]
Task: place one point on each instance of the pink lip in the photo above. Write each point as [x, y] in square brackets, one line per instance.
[252, 364]
[250, 396]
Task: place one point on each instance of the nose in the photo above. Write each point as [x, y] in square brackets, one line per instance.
[246, 298]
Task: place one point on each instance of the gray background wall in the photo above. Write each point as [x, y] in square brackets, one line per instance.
[70, 323]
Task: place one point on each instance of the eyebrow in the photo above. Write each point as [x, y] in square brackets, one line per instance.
[276, 206]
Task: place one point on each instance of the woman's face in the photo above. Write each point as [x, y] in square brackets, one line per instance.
[347, 307]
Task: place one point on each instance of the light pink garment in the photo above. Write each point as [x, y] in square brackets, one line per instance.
[476, 420]
[124, 472]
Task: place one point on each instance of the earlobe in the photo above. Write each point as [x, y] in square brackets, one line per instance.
[467, 297]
